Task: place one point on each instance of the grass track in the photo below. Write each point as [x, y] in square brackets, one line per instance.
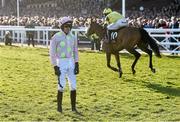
[28, 88]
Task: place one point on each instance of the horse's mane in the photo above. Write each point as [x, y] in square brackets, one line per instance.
[100, 25]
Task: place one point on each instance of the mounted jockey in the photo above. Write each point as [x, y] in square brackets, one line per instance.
[64, 58]
[114, 21]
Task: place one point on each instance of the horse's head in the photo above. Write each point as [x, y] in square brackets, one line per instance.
[90, 29]
[94, 28]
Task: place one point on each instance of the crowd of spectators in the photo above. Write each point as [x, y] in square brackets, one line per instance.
[153, 17]
[81, 11]
[58, 8]
[84, 21]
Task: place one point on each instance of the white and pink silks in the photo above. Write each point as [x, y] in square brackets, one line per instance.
[64, 54]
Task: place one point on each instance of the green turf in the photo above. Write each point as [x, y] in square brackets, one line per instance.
[28, 88]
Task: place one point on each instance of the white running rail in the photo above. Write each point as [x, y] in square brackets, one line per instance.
[169, 39]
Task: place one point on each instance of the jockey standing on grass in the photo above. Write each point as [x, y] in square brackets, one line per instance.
[64, 58]
[114, 21]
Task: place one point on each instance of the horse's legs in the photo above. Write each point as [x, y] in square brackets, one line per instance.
[118, 64]
[108, 59]
[137, 55]
[149, 52]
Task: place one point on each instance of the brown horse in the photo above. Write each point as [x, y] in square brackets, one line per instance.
[128, 38]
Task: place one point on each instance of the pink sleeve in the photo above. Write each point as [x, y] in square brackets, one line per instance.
[76, 56]
[53, 51]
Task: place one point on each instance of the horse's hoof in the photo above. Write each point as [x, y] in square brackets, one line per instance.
[120, 75]
[133, 71]
[153, 70]
[116, 70]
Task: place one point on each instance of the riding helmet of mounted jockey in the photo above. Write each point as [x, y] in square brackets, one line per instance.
[107, 11]
[66, 21]
[111, 16]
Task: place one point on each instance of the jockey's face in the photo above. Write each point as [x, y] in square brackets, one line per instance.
[66, 28]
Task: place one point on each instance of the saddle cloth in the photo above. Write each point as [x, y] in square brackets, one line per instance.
[114, 33]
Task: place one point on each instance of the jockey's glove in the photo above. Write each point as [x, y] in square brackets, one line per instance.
[57, 71]
[76, 69]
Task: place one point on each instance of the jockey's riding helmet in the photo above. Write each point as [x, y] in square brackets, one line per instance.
[66, 21]
[107, 11]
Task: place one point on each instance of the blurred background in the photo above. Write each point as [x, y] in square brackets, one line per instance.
[45, 12]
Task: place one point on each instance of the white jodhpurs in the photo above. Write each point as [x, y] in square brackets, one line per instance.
[66, 66]
[118, 24]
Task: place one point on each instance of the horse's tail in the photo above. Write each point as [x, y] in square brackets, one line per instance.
[146, 38]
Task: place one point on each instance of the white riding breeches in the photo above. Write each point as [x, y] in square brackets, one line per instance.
[118, 24]
[66, 66]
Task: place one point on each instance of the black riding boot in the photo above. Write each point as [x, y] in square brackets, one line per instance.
[110, 39]
[59, 101]
[73, 101]
[108, 36]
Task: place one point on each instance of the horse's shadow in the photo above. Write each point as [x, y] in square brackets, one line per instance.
[173, 57]
[168, 89]
[164, 89]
